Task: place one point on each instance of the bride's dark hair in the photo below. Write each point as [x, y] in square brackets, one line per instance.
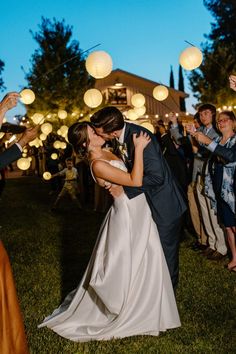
[78, 137]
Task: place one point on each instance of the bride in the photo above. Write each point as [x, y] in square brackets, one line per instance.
[126, 289]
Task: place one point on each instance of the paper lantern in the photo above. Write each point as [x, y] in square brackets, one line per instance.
[63, 145]
[140, 111]
[93, 98]
[160, 92]
[131, 115]
[38, 118]
[138, 100]
[27, 96]
[23, 163]
[62, 114]
[64, 130]
[24, 154]
[99, 64]
[47, 176]
[190, 58]
[46, 128]
[43, 136]
[57, 144]
[148, 126]
[54, 156]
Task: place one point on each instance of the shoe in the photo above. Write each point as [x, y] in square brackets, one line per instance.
[216, 256]
[197, 246]
[208, 251]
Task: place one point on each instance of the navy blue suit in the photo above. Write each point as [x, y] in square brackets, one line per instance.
[163, 196]
[9, 155]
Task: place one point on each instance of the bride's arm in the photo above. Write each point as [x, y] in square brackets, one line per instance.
[107, 172]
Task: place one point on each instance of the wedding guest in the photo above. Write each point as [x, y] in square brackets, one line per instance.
[220, 181]
[217, 248]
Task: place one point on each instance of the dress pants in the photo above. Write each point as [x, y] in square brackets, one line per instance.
[170, 239]
[216, 237]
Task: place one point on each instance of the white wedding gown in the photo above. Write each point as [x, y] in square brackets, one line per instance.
[126, 289]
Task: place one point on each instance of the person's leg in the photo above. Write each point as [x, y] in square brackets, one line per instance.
[170, 237]
[231, 235]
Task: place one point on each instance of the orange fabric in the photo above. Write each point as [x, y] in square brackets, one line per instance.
[12, 334]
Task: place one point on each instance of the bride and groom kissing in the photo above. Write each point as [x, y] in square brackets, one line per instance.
[127, 288]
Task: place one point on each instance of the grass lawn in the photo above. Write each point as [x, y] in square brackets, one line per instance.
[49, 253]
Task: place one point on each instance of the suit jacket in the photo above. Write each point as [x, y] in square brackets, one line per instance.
[9, 155]
[164, 197]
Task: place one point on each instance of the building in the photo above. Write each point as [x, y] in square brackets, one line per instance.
[118, 88]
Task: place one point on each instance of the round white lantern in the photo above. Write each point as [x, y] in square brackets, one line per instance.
[63, 145]
[47, 176]
[64, 130]
[140, 111]
[138, 100]
[27, 96]
[148, 126]
[38, 118]
[23, 163]
[54, 156]
[131, 115]
[62, 114]
[46, 128]
[93, 98]
[43, 136]
[160, 92]
[99, 64]
[57, 144]
[190, 58]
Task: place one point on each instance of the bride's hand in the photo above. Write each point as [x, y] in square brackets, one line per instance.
[142, 140]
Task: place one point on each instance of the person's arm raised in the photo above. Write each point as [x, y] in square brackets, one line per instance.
[112, 174]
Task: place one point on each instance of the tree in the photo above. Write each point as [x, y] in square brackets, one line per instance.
[172, 81]
[2, 87]
[210, 82]
[58, 75]
[181, 88]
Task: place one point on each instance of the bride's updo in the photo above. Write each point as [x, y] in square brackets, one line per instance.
[78, 137]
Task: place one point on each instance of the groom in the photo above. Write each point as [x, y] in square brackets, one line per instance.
[163, 195]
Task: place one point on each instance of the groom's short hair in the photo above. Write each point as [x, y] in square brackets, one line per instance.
[109, 118]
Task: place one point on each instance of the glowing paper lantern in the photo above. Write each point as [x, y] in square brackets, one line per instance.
[62, 114]
[160, 92]
[57, 144]
[190, 58]
[54, 156]
[24, 154]
[59, 132]
[47, 176]
[148, 126]
[138, 100]
[23, 163]
[63, 145]
[27, 96]
[93, 98]
[140, 111]
[43, 136]
[131, 115]
[64, 130]
[99, 64]
[46, 128]
[38, 118]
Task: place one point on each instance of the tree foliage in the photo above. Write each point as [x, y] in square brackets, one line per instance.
[58, 75]
[2, 87]
[210, 82]
[172, 81]
[181, 88]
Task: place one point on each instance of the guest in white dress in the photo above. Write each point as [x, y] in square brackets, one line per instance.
[126, 289]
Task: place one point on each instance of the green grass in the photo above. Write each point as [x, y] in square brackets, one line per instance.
[49, 254]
